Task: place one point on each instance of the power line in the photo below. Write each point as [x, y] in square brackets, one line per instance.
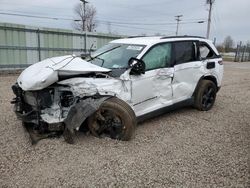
[115, 24]
[136, 23]
[148, 19]
[32, 5]
[140, 28]
[68, 19]
[101, 21]
[33, 16]
[32, 13]
[130, 6]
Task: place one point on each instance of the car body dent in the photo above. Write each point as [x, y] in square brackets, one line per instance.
[72, 116]
[42, 74]
[83, 87]
[185, 78]
[151, 90]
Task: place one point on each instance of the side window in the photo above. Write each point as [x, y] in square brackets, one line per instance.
[184, 52]
[205, 51]
[159, 56]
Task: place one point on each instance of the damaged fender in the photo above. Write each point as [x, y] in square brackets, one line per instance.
[78, 114]
[81, 111]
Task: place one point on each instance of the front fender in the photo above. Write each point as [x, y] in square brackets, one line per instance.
[79, 112]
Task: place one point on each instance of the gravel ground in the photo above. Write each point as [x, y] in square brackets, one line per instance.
[184, 148]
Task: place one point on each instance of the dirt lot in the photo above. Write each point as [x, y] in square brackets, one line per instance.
[184, 148]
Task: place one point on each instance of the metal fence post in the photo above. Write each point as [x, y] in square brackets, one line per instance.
[39, 45]
[236, 53]
[239, 52]
[248, 51]
[243, 54]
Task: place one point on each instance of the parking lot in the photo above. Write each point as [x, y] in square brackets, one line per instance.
[183, 148]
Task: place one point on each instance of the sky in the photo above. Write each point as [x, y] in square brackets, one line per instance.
[136, 17]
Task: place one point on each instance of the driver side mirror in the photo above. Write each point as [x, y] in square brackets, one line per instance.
[137, 66]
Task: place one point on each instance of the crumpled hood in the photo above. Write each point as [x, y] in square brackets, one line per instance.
[44, 73]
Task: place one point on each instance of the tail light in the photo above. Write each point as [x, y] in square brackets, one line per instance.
[220, 62]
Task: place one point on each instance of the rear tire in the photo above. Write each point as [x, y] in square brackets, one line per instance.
[205, 95]
[114, 118]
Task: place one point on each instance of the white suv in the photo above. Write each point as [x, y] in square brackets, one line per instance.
[124, 82]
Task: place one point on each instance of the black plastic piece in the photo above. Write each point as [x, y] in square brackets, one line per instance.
[184, 36]
[138, 67]
[139, 36]
[210, 65]
[185, 103]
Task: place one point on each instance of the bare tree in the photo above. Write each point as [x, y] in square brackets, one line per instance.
[228, 44]
[248, 43]
[220, 48]
[90, 19]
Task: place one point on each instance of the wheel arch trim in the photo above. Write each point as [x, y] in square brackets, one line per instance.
[207, 77]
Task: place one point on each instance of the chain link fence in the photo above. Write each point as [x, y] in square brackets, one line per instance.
[242, 53]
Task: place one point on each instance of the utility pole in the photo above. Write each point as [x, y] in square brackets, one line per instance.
[178, 22]
[85, 24]
[210, 2]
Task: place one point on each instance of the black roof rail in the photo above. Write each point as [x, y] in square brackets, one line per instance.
[137, 36]
[143, 36]
[184, 36]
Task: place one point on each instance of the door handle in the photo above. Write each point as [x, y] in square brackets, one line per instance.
[163, 73]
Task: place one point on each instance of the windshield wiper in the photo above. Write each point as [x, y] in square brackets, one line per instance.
[92, 58]
[97, 57]
[108, 51]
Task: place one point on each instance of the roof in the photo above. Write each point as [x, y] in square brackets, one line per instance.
[155, 40]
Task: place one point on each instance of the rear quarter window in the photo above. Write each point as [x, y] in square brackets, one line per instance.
[206, 51]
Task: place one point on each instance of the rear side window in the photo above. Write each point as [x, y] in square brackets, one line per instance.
[184, 52]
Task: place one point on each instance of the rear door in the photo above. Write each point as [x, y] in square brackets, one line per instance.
[187, 69]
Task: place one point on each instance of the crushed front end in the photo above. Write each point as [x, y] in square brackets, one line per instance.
[56, 96]
[52, 111]
[43, 112]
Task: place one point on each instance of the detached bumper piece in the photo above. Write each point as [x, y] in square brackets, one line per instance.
[35, 136]
[78, 113]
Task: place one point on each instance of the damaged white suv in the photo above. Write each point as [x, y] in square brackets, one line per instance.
[120, 84]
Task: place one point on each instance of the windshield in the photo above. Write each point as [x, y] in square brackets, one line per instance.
[115, 56]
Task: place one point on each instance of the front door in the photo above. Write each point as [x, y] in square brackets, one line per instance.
[153, 90]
